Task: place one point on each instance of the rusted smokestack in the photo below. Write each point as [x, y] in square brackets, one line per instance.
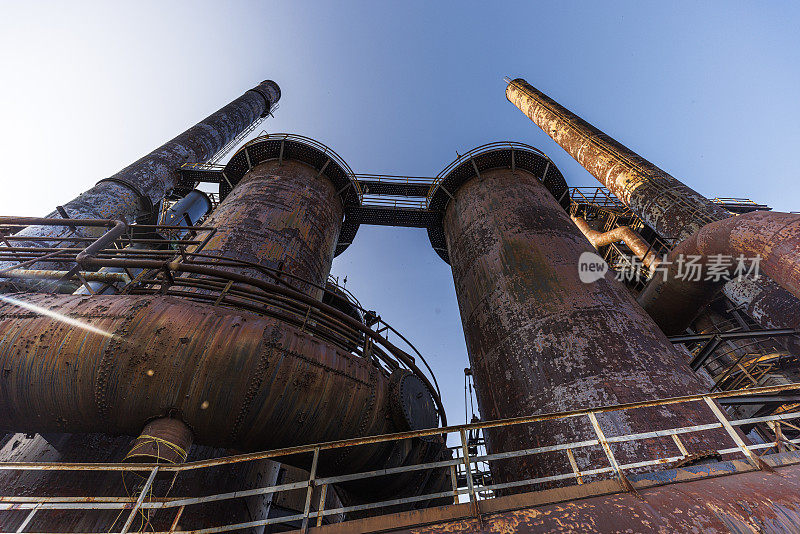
[134, 190]
[672, 209]
[539, 338]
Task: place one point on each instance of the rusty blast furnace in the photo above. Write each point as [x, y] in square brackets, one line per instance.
[174, 360]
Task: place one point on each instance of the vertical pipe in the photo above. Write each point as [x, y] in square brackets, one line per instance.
[540, 340]
[134, 190]
[667, 205]
[185, 212]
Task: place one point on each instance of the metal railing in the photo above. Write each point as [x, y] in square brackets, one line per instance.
[396, 179]
[599, 196]
[203, 166]
[475, 152]
[464, 487]
[326, 150]
[385, 201]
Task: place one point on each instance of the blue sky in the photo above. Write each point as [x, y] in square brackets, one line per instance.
[708, 91]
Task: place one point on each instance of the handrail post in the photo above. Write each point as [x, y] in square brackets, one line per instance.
[174, 524]
[310, 490]
[28, 518]
[140, 500]
[754, 461]
[321, 506]
[454, 483]
[601, 437]
[467, 466]
[574, 464]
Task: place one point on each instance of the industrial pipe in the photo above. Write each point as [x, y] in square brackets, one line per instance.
[185, 212]
[134, 190]
[265, 384]
[188, 210]
[638, 246]
[47, 274]
[163, 440]
[671, 208]
[772, 237]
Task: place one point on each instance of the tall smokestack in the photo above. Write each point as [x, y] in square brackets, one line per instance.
[135, 189]
[666, 204]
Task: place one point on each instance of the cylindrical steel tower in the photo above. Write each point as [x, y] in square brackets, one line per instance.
[539, 339]
[282, 216]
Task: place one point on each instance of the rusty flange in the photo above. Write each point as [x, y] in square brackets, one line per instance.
[410, 403]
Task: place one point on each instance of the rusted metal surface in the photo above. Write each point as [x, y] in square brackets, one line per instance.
[102, 447]
[738, 363]
[674, 301]
[48, 274]
[638, 246]
[743, 503]
[289, 386]
[672, 209]
[281, 215]
[157, 502]
[134, 190]
[541, 340]
[237, 379]
[293, 147]
[769, 305]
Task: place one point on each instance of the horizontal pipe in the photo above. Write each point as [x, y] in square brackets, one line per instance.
[104, 241]
[638, 246]
[48, 274]
[398, 353]
[265, 384]
[773, 237]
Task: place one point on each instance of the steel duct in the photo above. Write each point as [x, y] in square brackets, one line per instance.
[674, 301]
[638, 246]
